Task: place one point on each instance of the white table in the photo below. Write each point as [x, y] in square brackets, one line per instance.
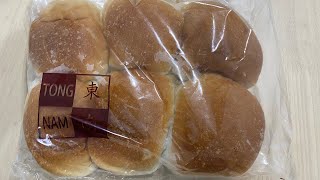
[297, 25]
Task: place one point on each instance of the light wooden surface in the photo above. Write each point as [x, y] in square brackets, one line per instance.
[297, 24]
[298, 30]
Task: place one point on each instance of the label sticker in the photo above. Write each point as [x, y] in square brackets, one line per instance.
[73, 106]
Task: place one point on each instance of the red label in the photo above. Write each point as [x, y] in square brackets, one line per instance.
[73, 106]
[57, 90]
[90, 122]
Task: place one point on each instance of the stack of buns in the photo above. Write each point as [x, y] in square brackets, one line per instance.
[206, 123]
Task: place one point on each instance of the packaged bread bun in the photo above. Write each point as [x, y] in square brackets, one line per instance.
[151, 89]
[141, 106]
[67, 36]
[142, 34]
[216, 39]
[63, 156]
[218, 128]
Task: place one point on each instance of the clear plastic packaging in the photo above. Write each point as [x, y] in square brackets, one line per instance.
[153, 89]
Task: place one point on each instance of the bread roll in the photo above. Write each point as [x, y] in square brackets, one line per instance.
[68, 37]
[140, 108]
[143, 34]
[218, 128]
[61, 156]
[70, 9]
[216, 39]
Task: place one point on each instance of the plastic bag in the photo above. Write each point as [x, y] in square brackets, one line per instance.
[153, 89]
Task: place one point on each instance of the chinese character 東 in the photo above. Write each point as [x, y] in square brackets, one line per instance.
[92, 90]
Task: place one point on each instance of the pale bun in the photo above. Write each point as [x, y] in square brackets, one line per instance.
[70, 10]
[216, 39]
[62, 156]
[141, 106]
[142, 34]
[218, 128]
[68, 34]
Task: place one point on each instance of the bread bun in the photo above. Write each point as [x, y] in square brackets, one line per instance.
[68, 37]
[218, 128]
[61, 156]
[143, 34]
[140, 108]
[216, 39]
[70, 10]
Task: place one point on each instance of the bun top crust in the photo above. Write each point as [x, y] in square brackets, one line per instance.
[68, 37]
[218, 127]
[216, 39]
[143, 34]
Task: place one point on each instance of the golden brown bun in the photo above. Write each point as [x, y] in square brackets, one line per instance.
[218, 127]
[63, 157]
[141, 106]
[68, 36]
[138, 33]
[217, 39]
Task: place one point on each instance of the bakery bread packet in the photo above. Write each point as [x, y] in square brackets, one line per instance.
[153, 89]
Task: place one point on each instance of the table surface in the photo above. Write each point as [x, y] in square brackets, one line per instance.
[297, 25]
